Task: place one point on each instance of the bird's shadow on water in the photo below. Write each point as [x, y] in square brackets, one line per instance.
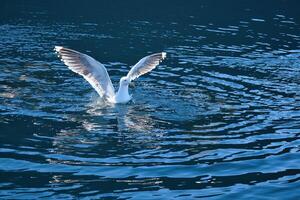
[141, 122]
[107, 127]
[149, 111]
[129, 117]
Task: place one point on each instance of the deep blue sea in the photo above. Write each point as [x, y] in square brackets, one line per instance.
[218, 119]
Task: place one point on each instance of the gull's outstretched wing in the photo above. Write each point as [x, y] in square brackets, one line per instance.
[92, 70]
[145, 65]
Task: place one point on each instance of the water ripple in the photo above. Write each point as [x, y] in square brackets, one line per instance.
[219, 118]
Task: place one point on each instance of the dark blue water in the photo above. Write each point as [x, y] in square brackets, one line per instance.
[219, 118]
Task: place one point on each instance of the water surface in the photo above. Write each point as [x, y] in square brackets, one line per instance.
[218, 118]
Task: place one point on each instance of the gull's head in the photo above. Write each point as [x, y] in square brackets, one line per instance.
[124, 81]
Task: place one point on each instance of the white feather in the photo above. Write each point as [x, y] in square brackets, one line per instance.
[96, 74]
[93, 71]
[145, 65]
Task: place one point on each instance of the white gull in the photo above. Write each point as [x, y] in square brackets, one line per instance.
[96, 74]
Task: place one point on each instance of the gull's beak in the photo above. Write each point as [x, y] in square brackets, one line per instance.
[131, 84]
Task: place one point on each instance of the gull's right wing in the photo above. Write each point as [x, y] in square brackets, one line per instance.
[145, 65]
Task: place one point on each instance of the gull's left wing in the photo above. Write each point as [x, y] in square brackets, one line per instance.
[145, 65]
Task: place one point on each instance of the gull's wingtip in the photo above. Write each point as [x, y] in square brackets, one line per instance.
[163, 55]
[57, 48]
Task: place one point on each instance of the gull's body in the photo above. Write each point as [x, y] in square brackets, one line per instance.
[122, 95]
[96, 74]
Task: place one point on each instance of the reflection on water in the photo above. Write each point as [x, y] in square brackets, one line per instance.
[219, 118]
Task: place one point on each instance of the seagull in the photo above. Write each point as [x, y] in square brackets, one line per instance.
[96, 74]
